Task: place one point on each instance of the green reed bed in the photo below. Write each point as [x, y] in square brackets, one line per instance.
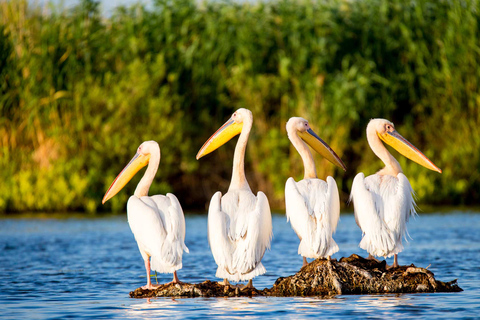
[80, 91]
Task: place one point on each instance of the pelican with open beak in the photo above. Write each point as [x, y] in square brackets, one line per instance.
[239, 223]
[157, 222]
[383, 202]
[312, 205]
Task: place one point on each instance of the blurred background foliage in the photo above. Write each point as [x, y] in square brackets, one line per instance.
[79, 91]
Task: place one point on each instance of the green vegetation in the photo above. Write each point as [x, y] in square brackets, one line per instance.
[79, 92]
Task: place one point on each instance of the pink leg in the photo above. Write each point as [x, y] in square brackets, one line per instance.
[147, 268]
[248, 285]
[305, 262]
[175, 279]
[395, 261]
[370, 257]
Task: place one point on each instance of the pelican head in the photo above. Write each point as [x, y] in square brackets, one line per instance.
[302, 128]
[385, 130]
[230, 129]
[144, 152]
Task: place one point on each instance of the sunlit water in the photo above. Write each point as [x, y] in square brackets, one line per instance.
[85, 268]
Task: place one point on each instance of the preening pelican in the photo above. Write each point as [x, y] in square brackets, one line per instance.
[383, 202]
[157, 222]
[312, 205]
[239, 223]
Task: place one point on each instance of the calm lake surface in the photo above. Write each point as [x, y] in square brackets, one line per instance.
[85, 268]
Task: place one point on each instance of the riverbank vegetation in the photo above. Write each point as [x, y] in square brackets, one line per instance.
[79, 91]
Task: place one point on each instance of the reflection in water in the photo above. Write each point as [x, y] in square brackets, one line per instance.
[376, 302]
[154, 308]
[85, 268]
[239, 308]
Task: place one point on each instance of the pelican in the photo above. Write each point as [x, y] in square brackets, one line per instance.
[239, 223]
[157, 222]
[312, 205]
[383, 202]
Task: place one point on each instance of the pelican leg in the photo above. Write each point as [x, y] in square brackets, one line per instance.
[248, 285]
[175, 279]
[149, 285]
[225, 282]
[370, 257]
[305, 262]
[395, 261]
[147, 268]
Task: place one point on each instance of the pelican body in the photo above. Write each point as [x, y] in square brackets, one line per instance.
[383, 202]
[157, 222]
[312, 205]
[239, 223]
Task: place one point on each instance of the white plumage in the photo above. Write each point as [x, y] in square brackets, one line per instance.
[383, 205]
[239, 232]
[158, 224]
[313, 209]
[239, 223]
[384, 202]
[312, 205]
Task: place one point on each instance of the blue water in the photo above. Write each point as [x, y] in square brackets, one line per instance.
[85, 268]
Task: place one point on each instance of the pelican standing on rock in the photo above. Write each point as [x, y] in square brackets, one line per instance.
[239, 223]
[157, 222]
[383, 202]
[312, 205]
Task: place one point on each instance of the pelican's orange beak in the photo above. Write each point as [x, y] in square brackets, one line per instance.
[138, 162]
[407, 149]
[314, 141]
[226, 132]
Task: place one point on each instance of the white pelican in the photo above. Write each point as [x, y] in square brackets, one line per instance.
[239, 223]
[312, 205]
[383, 202]
[157, 222]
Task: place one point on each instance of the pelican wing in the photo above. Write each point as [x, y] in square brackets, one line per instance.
[369, 215]
[147, 223]
[333, 203]
[399, 205]
[177, 226]
[158, 225]
[297, 210]
[313, 208]
[218, 226]
[255, 236]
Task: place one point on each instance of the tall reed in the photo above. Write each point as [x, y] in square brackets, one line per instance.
[80, 91]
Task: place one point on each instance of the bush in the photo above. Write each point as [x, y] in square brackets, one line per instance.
[80, 92]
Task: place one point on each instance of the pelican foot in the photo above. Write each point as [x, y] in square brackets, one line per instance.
[225, 282]
[370, 257]
[150, 287]
[244, 287]
[305, 262]
[393, 266]
[174, 282]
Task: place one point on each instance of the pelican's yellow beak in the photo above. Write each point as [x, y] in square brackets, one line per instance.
[407, 149]
[138, 162]
[226, 132]
[321, 147]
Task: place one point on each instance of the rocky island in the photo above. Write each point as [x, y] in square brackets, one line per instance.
[321, 277]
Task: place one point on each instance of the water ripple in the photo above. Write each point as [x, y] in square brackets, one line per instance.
[85, 268]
